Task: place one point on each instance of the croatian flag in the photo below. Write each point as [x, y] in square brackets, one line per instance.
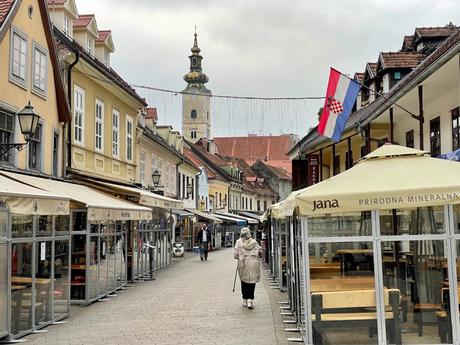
[340, 98]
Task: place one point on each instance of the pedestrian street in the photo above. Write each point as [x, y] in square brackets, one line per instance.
[191, 302]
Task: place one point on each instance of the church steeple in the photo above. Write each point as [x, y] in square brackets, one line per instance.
[196, 100]
[196, 78]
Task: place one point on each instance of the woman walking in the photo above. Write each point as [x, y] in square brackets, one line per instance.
[247, 251]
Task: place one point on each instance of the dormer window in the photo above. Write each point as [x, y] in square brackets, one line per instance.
[193, 114]
[67, 26]
[89, 45]
[397, 75]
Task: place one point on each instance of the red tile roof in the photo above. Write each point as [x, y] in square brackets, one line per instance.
[5, 8]
[199, 163]
[282, 173]
[440, 31]
[152, 114]
[83, 20]
[252, 182]
[408, 43]
[271, 149]
[103, 34]
[401, 59]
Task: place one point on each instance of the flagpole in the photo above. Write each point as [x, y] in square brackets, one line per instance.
[417, 117]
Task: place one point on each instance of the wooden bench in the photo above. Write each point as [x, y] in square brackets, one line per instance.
[342, 284]
[345, 309]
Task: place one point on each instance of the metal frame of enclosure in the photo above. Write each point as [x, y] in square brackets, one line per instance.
[38, 274]
[427, 244]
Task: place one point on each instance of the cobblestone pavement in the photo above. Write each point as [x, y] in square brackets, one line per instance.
[191, 302]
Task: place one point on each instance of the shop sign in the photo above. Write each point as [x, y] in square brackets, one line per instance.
[313, 170]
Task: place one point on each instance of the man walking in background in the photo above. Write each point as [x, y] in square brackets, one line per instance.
[203, 239]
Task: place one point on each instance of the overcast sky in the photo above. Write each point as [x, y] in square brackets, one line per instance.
[256, 48]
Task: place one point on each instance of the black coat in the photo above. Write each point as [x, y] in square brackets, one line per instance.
[199, 237]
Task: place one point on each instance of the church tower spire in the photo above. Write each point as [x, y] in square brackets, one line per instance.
[196, 99]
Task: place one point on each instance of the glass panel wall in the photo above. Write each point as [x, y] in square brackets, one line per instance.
[22, 226]
[3, 286]
[342, 280]
[417, 267]
[21, 283]
[45, 226]
[120, 261]
[61, 277]
[3, 273]
[418, 270]
[78, 268]
[343, 296]
[92, 274]
[111, 259]
[39, 272]
[103, 264]
[43, 282]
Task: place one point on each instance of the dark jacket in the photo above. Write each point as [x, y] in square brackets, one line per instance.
[199, 237]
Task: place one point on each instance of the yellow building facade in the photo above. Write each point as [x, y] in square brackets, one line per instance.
[104, 107]
[29, 71]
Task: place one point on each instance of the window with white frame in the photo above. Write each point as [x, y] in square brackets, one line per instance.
[167, 181]
[67, 26]
[89, 45]
[160, 170]
[79, 115]
[153, 164]
[115, 133]
[129, 138]
[35, 149]
[18, 57]
[106, 58]
[6, 135]
[39, 69]
[99, 140]
[142, 166]
[173, 179]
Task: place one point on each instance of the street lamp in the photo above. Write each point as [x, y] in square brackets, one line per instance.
[28, 121]
[156, 179]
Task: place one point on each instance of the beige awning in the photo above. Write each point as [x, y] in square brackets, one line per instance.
[146, 198]
[390, 177]
[205, 215]
[101, 206]
[23, 199]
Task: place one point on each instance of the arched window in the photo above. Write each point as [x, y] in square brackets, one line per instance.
[193, 114]
[194, 62]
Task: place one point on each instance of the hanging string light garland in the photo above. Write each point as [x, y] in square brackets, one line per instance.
[176, 93]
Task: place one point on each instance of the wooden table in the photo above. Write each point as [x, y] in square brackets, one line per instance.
[28, 280]
[349, 264]
[18, 287]
[324, 270]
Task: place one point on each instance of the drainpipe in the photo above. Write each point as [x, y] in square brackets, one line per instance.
[69, 125]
